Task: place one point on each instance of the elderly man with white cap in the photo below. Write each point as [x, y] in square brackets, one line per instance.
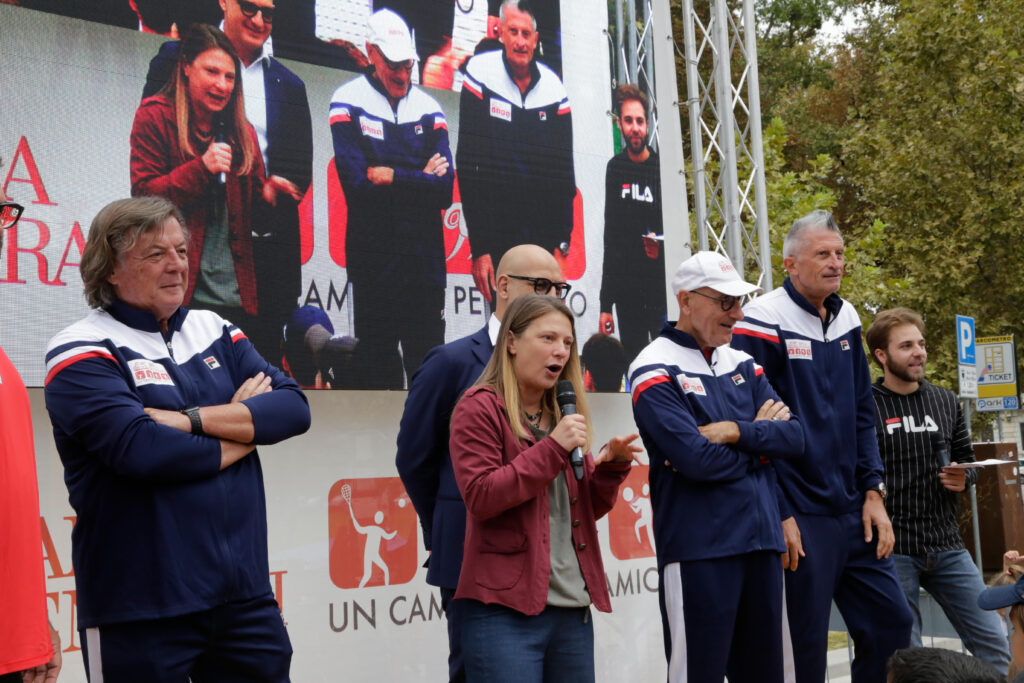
[392, 155]
[712, 425]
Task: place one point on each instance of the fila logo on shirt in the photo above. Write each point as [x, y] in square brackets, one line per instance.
[147, 372]
[501, 110]
[691, 385]
[737, 379]
[419, 129]
[371, 127]
[844, 345]
[211, 362]
[799, 348]
[633, 191]
[908, 423]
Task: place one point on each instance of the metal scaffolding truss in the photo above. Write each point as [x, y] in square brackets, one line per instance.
[726, 150]
[723, 105]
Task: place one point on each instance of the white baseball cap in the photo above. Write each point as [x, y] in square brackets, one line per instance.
[710, 269]
[390, 34]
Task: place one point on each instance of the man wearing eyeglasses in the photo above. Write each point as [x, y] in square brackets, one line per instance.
[515, 164]
[839, 539]
[393, 159]
[277, 107]
[423, 461]
[714, 427]
[29, 643]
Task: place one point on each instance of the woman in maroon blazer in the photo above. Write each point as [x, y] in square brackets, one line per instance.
[532, 566]
[192, 144]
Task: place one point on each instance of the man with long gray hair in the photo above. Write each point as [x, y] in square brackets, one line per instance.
[838, 536]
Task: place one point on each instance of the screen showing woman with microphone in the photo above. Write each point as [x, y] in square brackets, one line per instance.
[532, 566]
[192, 144]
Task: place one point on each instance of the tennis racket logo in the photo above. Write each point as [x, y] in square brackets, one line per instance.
[372, 527]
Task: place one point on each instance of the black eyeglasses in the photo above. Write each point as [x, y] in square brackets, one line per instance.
[9, 214]
[250, 9]
[726, 302]
[542, 285]
[405, 66]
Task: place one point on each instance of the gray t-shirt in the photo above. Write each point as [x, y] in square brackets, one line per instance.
[216, 283]
[566, 587]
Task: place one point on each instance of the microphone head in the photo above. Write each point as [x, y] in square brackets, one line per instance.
[565, 393]
[938, 441]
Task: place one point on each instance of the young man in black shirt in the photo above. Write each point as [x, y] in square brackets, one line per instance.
[921, 430]
[633, 277]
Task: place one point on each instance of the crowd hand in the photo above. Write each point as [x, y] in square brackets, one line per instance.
[47, 672]
[873, 514]
[772, 410]
[217, 158]
[794, 544]
[438, 165]
[483, 275]
[1010, 557]
[254, 386]
[570, 432]
[606, 324]
[720, 432]
[620, 449]
[380, 175]
[651, 245]
[275, 185]
[954, 479]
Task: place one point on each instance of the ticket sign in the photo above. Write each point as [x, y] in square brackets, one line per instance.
[996, 363]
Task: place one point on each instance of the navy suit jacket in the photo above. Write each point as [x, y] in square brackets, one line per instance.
[289, 154]
[423, 460]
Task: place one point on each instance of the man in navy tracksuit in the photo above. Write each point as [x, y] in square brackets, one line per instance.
[156, 413]
[514, 160]
[712, 425]
[423, 460]
[392, 155]
[838, 536]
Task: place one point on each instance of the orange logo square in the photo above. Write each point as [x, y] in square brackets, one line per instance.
[372, 527]
[631, 521]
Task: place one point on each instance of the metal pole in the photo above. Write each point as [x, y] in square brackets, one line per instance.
[727, 135]
[764, 246]
[648, 51]
[975, 527]
[700, 204]
[631, 34]
[999, 426]
[620, 67]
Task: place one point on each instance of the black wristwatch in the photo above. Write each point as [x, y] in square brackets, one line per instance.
[878, 488]
[193, 417]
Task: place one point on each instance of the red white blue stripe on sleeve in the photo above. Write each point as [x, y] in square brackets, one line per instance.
[563, 107]
[472, 86]
[646, 380]
[340, 114]
[62, 360]
[753, 330]
[439, 122]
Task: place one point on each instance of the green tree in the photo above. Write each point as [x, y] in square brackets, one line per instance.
[935, 154]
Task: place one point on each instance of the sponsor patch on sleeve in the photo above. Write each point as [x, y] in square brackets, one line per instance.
[147, 372]
[799, 348]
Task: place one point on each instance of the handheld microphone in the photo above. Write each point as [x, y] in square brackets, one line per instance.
[565, 394]
[222, 177]
[939, 448]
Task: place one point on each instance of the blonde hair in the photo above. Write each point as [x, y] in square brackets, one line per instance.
[199, 39]
[500, 373]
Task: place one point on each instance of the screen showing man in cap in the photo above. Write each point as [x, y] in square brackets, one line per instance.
[392, 156]
[712, 425]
